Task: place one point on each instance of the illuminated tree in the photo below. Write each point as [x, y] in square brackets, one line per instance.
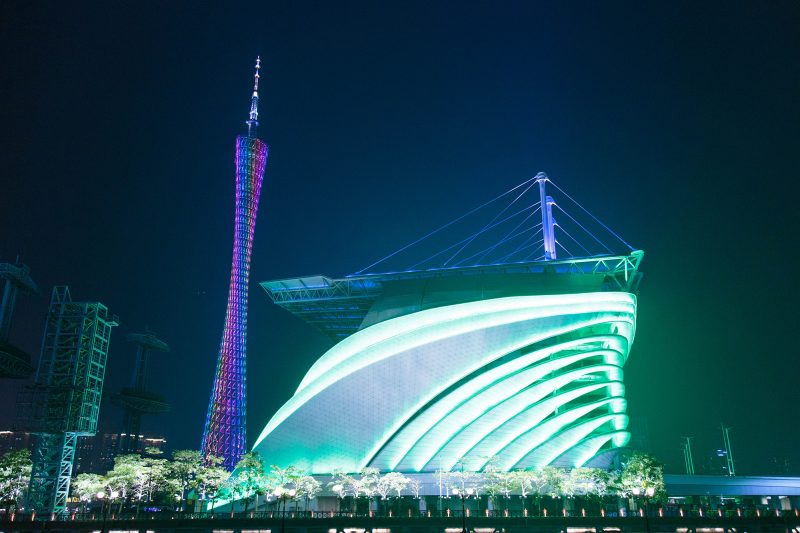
[183, 473]
[308, 488]
[337, 484]
[211, 478]
[462, 480]
[86, 486]
[15, 472]
[383, 487]
[125, 477]
[250, 478]
[152, 480]
[368, 483]
[415, 486]
[538, 482]
[555, 481]
[397, 483]
[285, 477]
[522, 480]
[492, 480]
[641, 474]
[593, 483]
[444, 479]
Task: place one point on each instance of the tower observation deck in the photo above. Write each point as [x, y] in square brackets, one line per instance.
[137, 399]
[500, 345]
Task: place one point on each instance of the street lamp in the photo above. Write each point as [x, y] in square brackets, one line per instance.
[101, 496]
[463, 495]
[647, 493]
[282, 494]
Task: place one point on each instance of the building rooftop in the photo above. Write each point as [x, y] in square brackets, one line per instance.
[341, 306]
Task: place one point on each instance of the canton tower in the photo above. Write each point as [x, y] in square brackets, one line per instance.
[225, 431]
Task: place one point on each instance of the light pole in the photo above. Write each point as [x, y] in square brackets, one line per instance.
[647, 493]
[463, 495]
[105, 508]
[101, 496]
[282, 495]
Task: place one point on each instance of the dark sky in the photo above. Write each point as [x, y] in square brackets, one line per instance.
[676, 123]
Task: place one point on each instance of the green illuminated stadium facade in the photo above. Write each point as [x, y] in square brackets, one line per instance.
[443, 369]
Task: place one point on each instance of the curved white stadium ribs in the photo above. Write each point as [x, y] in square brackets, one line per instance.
[528, 380]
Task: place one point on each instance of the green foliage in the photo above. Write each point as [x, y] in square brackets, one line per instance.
[249, 478]
[592, 482]
[15, 473]
[391, 482]
[308, 487]
[369, 481]
[183, 471]
[86, 486]
[555, 481]
[344, 484]
[152, 478]
[211, 478]
[285, 478]
[126, 475]
[641, 473]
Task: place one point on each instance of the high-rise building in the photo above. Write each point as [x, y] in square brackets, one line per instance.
[15, 440]
[96, 454]
[225, 431]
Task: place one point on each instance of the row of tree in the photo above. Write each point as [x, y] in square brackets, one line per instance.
[639, 474]
[152, 480]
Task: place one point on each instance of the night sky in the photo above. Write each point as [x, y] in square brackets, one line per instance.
[676, 123]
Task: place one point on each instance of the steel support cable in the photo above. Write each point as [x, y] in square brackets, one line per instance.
[484, 251]
[504, 239]
[573, 239]
[591, 215]
[468, 238]
[520, 195]
[440, 228]
[570, 254]
[528, 257]
[508, 236]
[520, 248]
[522, 245]
[601, 243]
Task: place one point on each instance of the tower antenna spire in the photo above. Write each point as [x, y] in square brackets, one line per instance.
[252, 122]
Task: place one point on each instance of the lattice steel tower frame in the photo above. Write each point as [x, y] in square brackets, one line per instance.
[225, 429]
[64, 402]
[14, 362]
[136, 399]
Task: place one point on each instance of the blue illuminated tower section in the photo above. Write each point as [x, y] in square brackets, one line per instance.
[225, 431]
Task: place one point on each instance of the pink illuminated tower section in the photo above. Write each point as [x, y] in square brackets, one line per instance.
[225, 431]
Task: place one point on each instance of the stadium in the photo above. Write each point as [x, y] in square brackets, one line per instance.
[513, 354]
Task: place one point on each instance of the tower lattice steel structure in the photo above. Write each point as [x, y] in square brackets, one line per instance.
[225, 429]
[14, 362]
[64, 402]
[137, 399]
